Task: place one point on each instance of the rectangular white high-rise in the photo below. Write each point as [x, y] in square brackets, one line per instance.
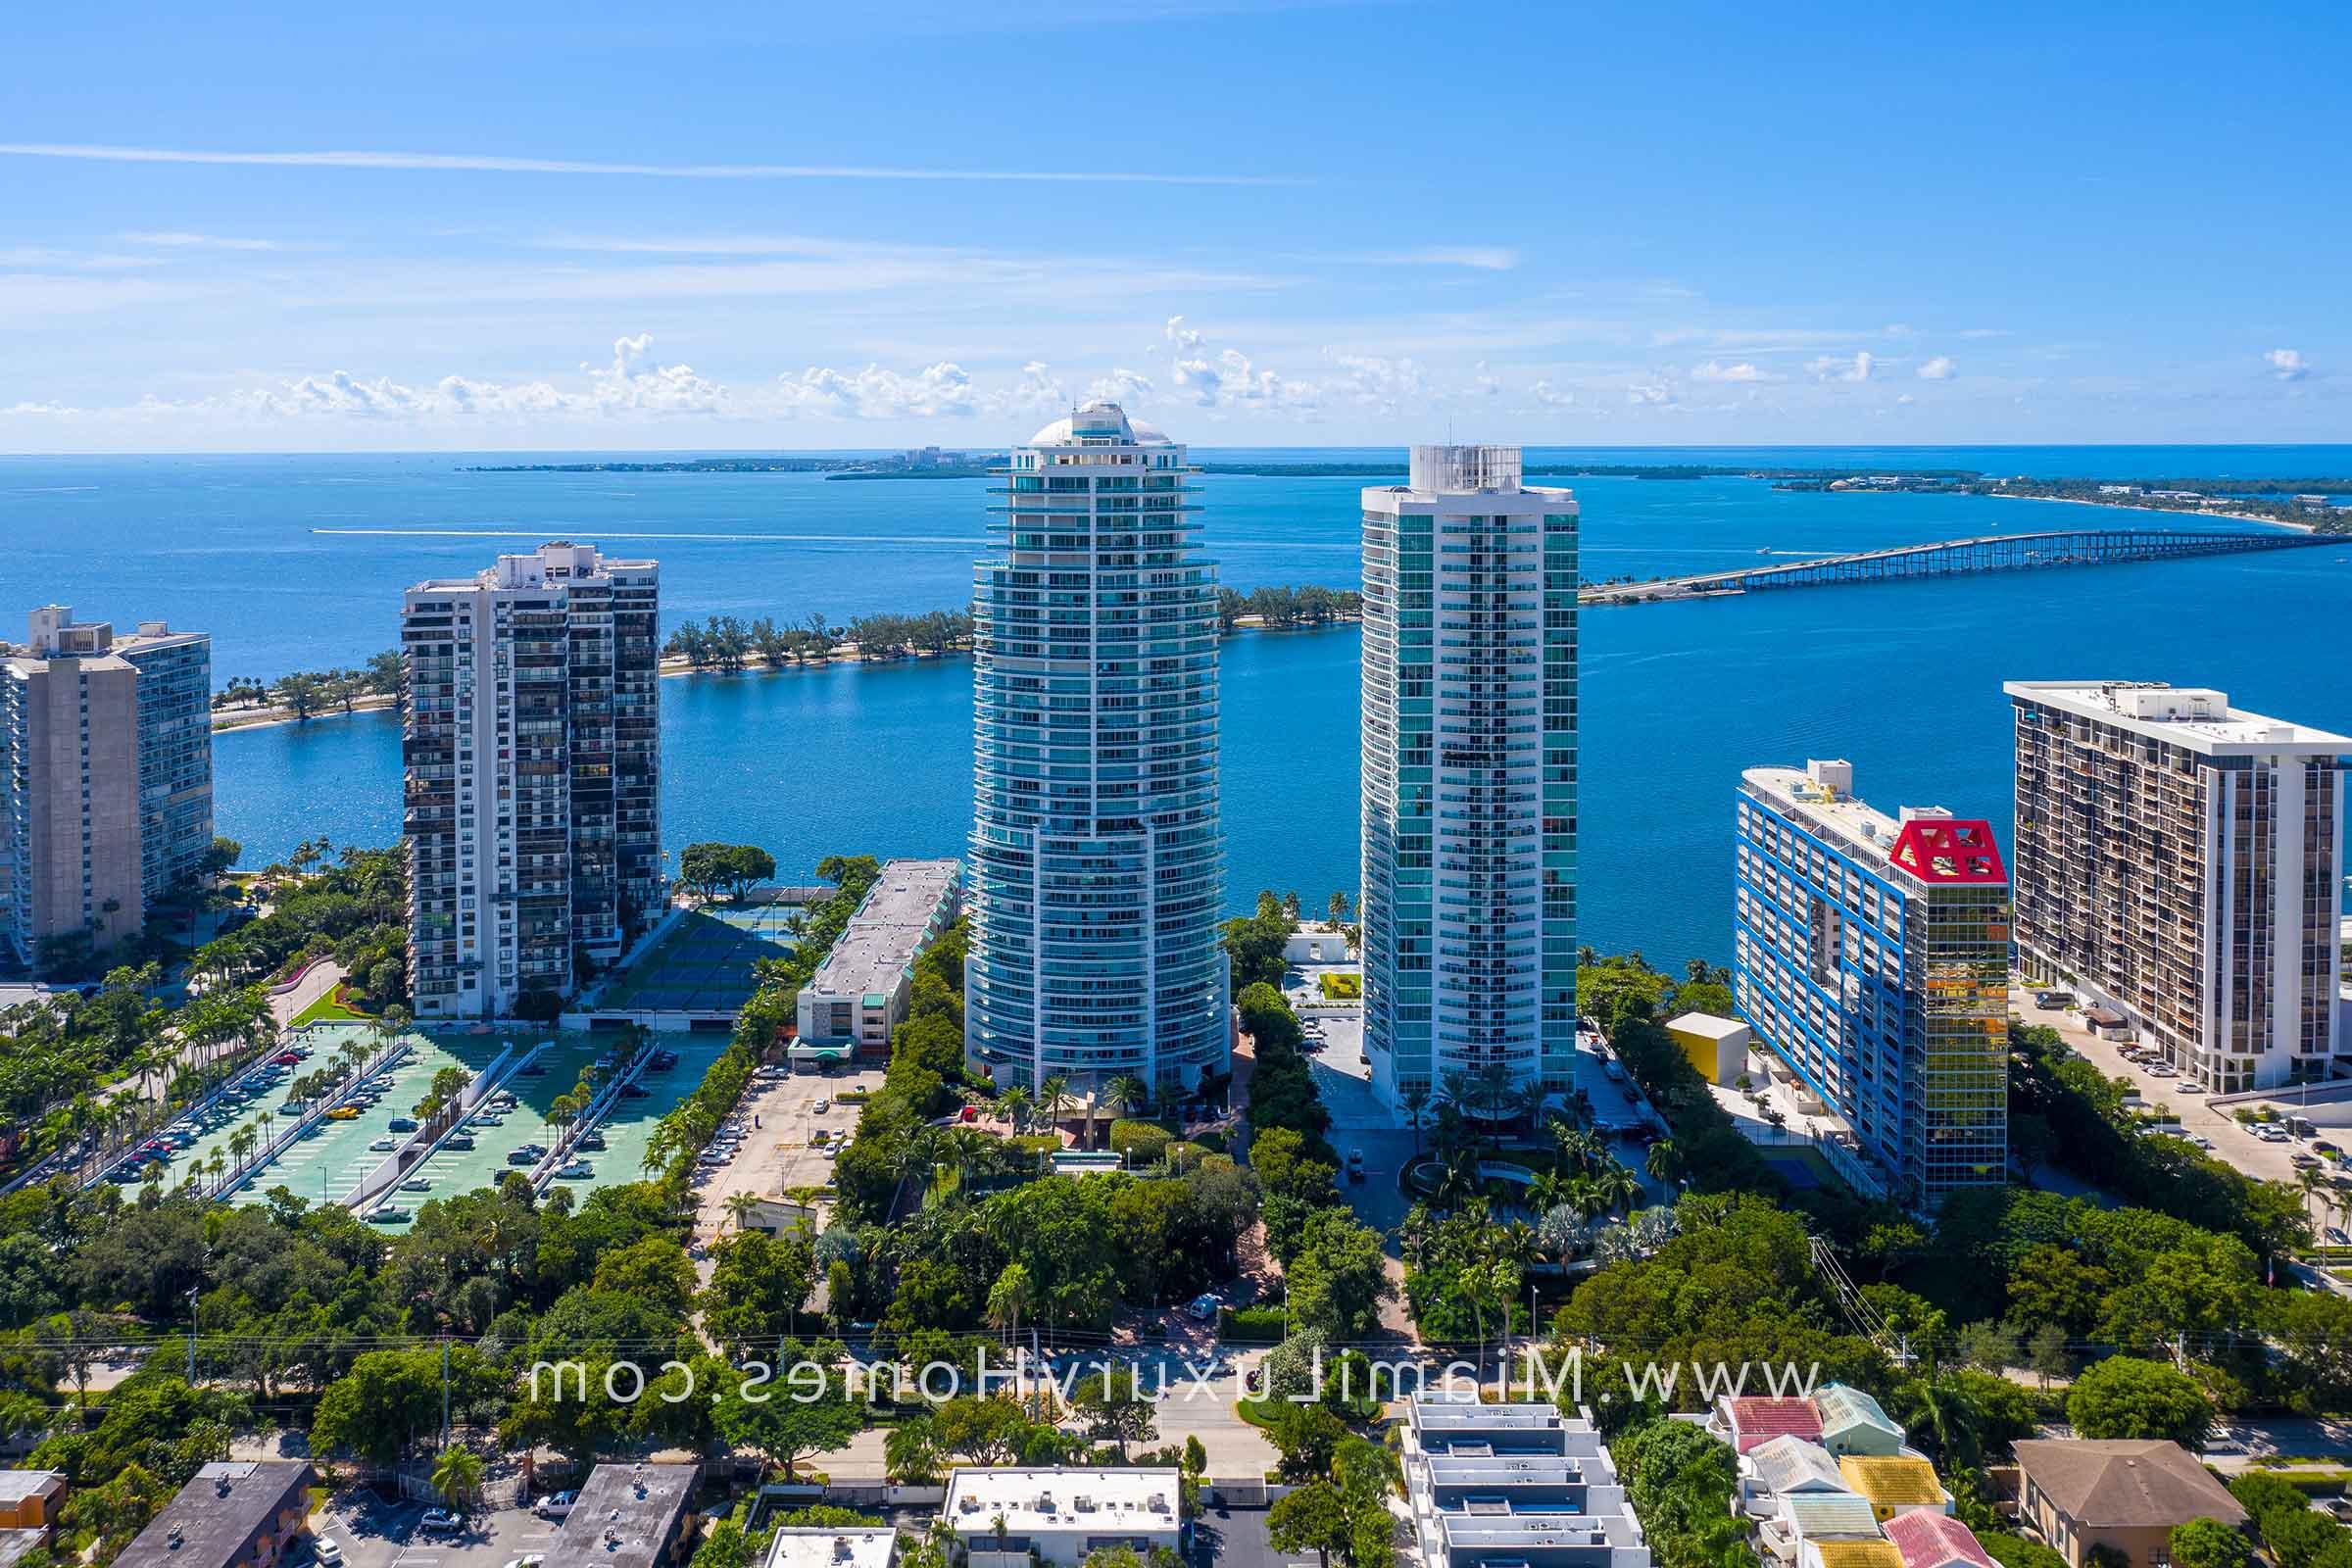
[1469, 782]
[2178, 860]
[532, 749]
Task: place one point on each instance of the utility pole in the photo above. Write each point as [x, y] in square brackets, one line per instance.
[445, 1392]
[192, 1336]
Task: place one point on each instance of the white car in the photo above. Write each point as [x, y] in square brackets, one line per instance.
[326, 1552]
[825, 1102]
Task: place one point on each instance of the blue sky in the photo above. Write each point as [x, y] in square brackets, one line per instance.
[275, 228]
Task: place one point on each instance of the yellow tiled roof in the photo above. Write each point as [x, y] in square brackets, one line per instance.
[1890, 1481]
[1858, 1554]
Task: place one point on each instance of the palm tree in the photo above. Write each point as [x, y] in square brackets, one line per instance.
[741, 1206]
[457, 1476]
[1932, 1401]
[2312, 1183]
[1618, 1186]
[1416, 1101]
[911, 1452]
[1053, 1095]
[1013, 1105]
[1339, 909]
[1125, 1094]
[1664, 1161]
[1009, 1298]
[240, 1144]
[1547, 1191]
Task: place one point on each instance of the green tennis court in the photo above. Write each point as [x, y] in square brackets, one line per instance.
[704, 963]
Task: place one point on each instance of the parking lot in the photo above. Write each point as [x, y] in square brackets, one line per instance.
[374, 1533]
[2232, 1143]
[773, 1154]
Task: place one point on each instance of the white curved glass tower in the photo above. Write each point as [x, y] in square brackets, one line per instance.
[1097, 859]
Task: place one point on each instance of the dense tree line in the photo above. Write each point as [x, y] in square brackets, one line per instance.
[730, 644]
[710, 868]
[307, 693]
[1280, 609]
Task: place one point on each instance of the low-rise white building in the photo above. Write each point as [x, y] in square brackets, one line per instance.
[1004, 1515]
[859, 994]
[816, 1546]
[1521, 1484]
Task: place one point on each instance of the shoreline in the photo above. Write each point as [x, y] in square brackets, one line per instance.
[2161, 512]
[233, 721]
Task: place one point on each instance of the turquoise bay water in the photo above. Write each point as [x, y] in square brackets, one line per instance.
[1677, 699]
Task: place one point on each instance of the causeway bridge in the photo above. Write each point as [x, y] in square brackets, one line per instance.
[1957, 557]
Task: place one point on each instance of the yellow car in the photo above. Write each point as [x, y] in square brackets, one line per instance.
[344, 1114]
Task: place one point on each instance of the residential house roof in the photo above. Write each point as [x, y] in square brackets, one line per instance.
[1756, 1420]
[1857, 1554]
[2120, 1483]
[1893, 1480]
[1926, 1538]
[1831, 1516]
[1791, 1465]
[1842, 1407]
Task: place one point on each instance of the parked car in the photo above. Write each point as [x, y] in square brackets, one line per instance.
[383, 1145]
[1356, 1164]
[825, 1102]
[402, 1124]
[554, 1505]
[1204, 1309]
[344, 1114]
[440, 1522]
[327, 1553]
[462, 1143]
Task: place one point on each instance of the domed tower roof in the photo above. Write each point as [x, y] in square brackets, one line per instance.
[1096, 419]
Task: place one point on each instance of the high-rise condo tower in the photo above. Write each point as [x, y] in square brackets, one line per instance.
[1469, 783]
[106, 777]
[1097, 859]
[2178, 860]
[533, 753]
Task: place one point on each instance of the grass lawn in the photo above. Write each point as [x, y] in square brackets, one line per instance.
[1343, 987]
[329, 1008]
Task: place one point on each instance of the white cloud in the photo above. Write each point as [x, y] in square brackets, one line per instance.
[1552, 397]
[1037, 391]
[1829, 368]
[1938, 368]
[2287, 364]
[493, 163]
[1740, 371]
[1228, 378]
[179, 239]
[634, 383]
[1121, 386]
[1480, 257]
[1373, 382]
[1650, 394]
[875, 393]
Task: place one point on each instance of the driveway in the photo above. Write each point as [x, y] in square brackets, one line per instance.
[776, 1154]
[2233, 1143]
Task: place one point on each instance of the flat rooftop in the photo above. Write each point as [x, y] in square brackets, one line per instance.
[1474, 1532]
[814, 1546]
[885, 933]
[17, 1485]
[1059, 1498]
[1456, 1412]
[2197, 717]
[1867, 829]
[625, 1517]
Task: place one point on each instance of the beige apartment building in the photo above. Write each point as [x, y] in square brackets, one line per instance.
[106, 777]
[2178, 860]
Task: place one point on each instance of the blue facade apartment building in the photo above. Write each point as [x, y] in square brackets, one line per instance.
[1871, 957]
